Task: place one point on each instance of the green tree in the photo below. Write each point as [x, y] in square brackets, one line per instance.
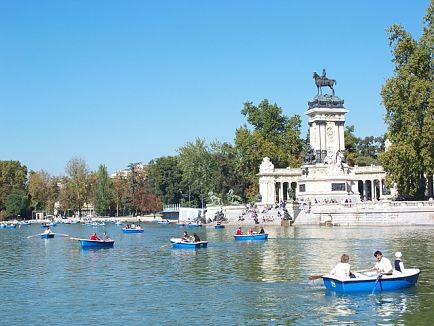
[75, 187]
[120, 193]
[271, 134]
[13, 175]
[41, 191]
[165, 177]
[102, 197]
[196, 164]
[17, 203]
[409, 102]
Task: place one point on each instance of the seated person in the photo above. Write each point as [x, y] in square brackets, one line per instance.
[342, 269]
[185, 237]
[262, 230]
[106, 237]
[239, 232]
[196, 238]
[48, 231]
[94, 237]
[399, 265]
[383, 265]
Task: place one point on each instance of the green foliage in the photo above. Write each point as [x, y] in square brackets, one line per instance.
[43, 190]
[16, 203]
[102, 197]
[408, 99]
[12, 176]
[165, 177]
[273, 135]
[75, 186]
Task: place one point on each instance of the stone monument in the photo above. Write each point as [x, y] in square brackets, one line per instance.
[324, 172]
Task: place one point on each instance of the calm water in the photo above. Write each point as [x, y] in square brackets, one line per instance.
[142, 281]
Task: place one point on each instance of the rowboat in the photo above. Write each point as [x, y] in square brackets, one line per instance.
[178, 243]
[180, 224]
[219, 226]
[8, 226]
[371, 282]
[133, 230]
[47, 235]
[87, 243]
[163, 222]
[255, 236]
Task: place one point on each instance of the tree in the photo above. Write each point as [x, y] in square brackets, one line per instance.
[120, 192]
[13, 175]
[17, 203]
[165, 177]
[102, 197]
[271, 134]
[75, 189]
[41, 191]
[409, 101]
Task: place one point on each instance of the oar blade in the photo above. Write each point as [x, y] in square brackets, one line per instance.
[314, 277]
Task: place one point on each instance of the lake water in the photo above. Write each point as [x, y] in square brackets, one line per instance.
[142, 281]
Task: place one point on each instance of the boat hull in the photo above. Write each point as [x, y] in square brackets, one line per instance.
[47, 235]
[177, 243]
[86, 243]
[193, 225]
[244, 237]
[373, 284]
[219, 226]
[133, 230]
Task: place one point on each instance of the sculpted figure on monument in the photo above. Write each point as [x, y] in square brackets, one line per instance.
[323, 81]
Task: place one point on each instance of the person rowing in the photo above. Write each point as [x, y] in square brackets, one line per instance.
[383, 265]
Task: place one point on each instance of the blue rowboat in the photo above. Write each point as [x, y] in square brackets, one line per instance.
[8, 226]
[47, 235]
[219, 226]
[87, 243]
[180, 224]
[178, 243]
[371, 282]
[163, 222]
[257, 236]
[133, 230]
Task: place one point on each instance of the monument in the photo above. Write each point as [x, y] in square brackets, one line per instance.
[324, 175]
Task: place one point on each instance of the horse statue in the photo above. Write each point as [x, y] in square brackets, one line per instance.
[322, 82]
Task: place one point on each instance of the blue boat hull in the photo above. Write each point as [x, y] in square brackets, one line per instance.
[219, 226]
[244, 237]
[86, 243]
[190, 245]
[191, 225]
[385, 283]
[47, 235]
[133, 230]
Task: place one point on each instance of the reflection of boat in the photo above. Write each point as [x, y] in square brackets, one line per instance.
[47, 235]
[87, 243]
[133, 230]
[370, 282]
[255, 236]
[178, 243]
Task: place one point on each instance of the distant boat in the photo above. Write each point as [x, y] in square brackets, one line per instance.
[219, 226]
[8, 226]
[254, 236]
[97, 224]
[87, 243]
[180, 224]
[163, 222]
[371, 282]
[178, 243]
[118, 223]
[133, 230]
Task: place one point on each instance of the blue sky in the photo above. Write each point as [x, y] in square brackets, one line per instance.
[115, 82]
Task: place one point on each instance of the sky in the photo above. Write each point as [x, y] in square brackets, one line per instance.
[119, 82]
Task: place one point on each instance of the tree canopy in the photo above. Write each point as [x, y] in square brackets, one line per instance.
[409, 101]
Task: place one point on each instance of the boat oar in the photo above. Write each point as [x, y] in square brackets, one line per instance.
[32, 236]
[73, 238]
[378, 281]
[61, 234]
[314, 277]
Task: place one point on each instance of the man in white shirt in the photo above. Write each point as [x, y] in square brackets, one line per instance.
[383, 264]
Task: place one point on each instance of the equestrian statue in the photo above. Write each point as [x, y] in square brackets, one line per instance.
[322, 81]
